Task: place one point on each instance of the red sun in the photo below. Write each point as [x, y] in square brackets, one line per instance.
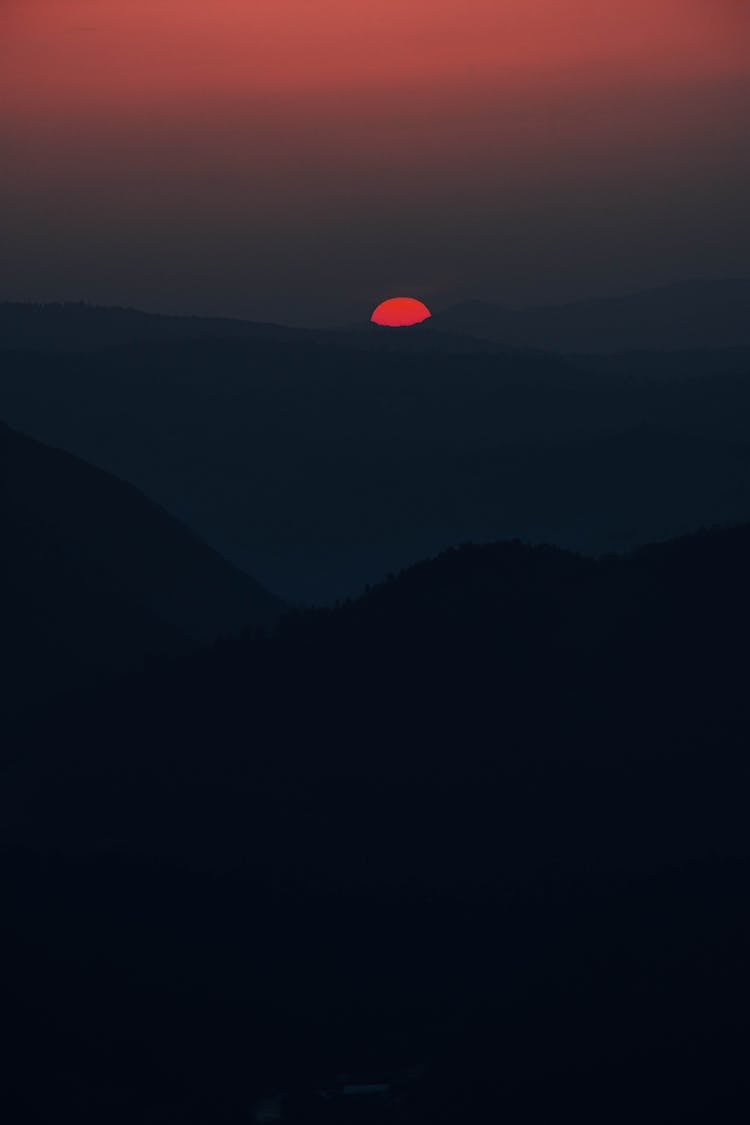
[400, 312]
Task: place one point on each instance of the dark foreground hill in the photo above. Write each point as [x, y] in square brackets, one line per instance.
[97, 578]
[487, 663]
[479, 836]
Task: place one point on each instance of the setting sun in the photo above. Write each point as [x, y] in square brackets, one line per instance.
[400, 312]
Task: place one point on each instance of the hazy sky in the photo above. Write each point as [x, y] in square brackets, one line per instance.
[301, 160]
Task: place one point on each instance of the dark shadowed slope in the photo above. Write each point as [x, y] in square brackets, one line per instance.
[64, 628]
[489, 819]
[519, 692]
[96, 576]
[697, 314]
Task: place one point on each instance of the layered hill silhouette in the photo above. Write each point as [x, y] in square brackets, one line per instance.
[96, 578]
[477, 836]
[319, 463]
[76, 326]
[687, 315]
[695, 314]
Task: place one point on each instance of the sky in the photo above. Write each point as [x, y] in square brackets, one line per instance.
[302, 160]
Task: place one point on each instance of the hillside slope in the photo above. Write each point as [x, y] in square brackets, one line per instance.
[94, 576]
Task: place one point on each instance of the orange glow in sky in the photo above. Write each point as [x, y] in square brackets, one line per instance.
[128, 51]
[259, 156]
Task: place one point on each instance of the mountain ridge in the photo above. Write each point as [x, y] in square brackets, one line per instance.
[689, 314]
[682, 314]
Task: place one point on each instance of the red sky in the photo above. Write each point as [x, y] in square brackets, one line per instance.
[293, 159]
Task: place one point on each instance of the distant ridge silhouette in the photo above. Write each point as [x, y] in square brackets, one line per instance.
[691, 314]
